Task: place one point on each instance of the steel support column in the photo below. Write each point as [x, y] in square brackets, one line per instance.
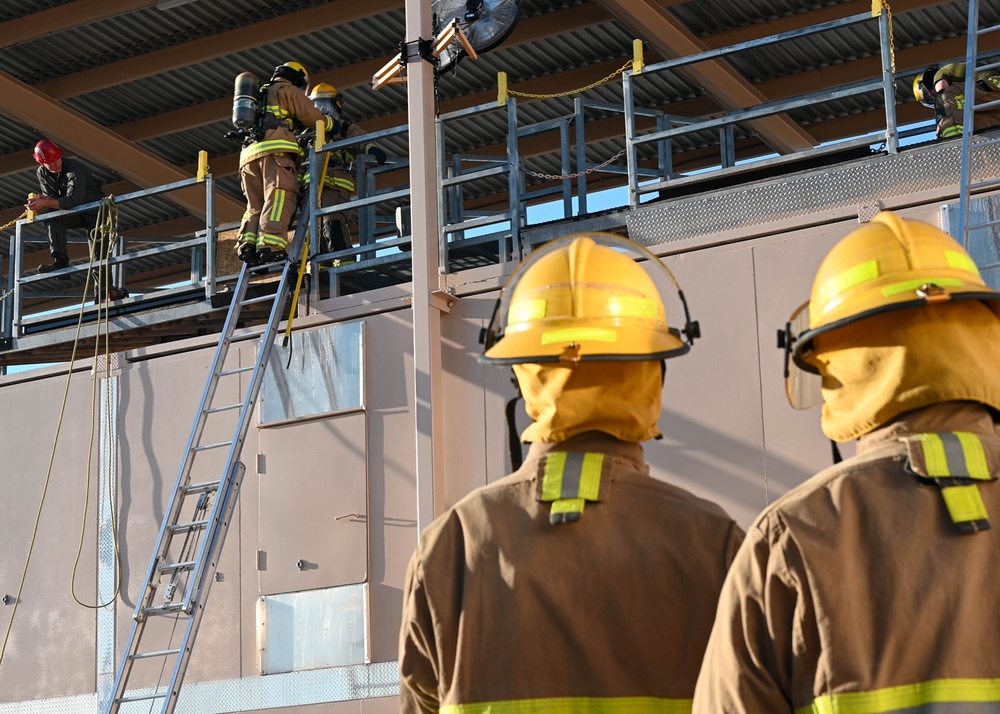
[426, 262]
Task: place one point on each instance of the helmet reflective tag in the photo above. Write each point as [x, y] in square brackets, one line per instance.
[954, 462]
[568, 481]
[803, 389]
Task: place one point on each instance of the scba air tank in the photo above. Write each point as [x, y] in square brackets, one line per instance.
[245, 100]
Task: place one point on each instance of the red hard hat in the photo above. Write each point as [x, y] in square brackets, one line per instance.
[46, 152]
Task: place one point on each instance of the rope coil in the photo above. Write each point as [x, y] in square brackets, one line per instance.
[107, 226]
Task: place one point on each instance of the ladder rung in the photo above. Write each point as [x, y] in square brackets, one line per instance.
[261, 298]
[141, 697]
[174, 567]
[987, 142]
[193, 525]
[268, 267]
[987, 30]
[239, 370]
[162, 609]
[216, 410]
[984, 184]
[216, 445]
[201, 487]
[247, 336]
[161, 653]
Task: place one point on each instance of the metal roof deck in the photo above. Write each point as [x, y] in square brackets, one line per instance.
[161, 80]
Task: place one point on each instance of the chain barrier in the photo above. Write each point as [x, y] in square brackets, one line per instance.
[892, 38]
[578, 174]
[877, 7]
[598, 83]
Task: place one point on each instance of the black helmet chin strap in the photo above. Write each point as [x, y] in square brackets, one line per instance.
[837, 458]
[513, 438]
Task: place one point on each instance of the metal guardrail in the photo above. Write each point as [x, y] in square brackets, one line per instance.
[63, 285]
[727, 121]
[379, 233]
[383, 245]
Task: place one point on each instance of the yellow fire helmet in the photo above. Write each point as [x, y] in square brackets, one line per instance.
[889, 264]
[326, 97]
[585, 298]
[324, 90]
[294, 72]
[923, 86]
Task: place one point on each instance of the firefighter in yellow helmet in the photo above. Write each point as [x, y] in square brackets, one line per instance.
[579, 582]
[949, 89]
[338, 181]
[269, 164]
[872, 586]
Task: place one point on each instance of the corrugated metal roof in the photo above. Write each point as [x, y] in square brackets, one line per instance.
[336, 49]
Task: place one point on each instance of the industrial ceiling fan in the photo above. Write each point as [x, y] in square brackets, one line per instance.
[485, 23]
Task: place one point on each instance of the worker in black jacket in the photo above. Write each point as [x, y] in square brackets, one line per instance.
[64, 184]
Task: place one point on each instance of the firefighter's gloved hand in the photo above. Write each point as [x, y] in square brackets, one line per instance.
[380, 156]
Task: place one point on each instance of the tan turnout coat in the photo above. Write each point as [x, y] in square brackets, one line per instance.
[856, 592]
[502, 606]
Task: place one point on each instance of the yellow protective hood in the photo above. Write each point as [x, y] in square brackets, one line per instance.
[619, 398]
[876, 369]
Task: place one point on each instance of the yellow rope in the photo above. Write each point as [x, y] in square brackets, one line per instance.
[598, 83]
[305, 256]
[48, 473]
[7, 225]
[104, 234]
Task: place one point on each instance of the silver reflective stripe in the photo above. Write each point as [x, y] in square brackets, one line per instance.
[572, 472]
[954, 453]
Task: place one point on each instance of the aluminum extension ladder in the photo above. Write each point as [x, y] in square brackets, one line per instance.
[195, 524]
[967, 222]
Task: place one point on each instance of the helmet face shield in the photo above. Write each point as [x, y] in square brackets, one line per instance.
[890, 264]
[803, 383]
[585, 298]
[326, 105]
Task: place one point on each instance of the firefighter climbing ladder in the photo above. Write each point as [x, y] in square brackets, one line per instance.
[194, 525]
[971, 145]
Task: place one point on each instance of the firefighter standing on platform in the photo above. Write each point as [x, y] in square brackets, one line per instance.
[872, 586]
[338, 182]
[269, 165]
[579, 583]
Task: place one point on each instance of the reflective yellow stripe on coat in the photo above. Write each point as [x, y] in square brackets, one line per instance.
[575, 705]
[272, 146]
[939, 696]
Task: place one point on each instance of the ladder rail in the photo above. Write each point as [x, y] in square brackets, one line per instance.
[183, 472]
[227, 498]
[200, 570]
[253, 392]
[971, 52]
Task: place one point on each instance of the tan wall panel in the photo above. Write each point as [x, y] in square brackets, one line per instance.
[785, 267]
[392, 485]
[159, 402]
[51, 651]
[711, 417]
[465, 415]
[245, 532]
[314, 478]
